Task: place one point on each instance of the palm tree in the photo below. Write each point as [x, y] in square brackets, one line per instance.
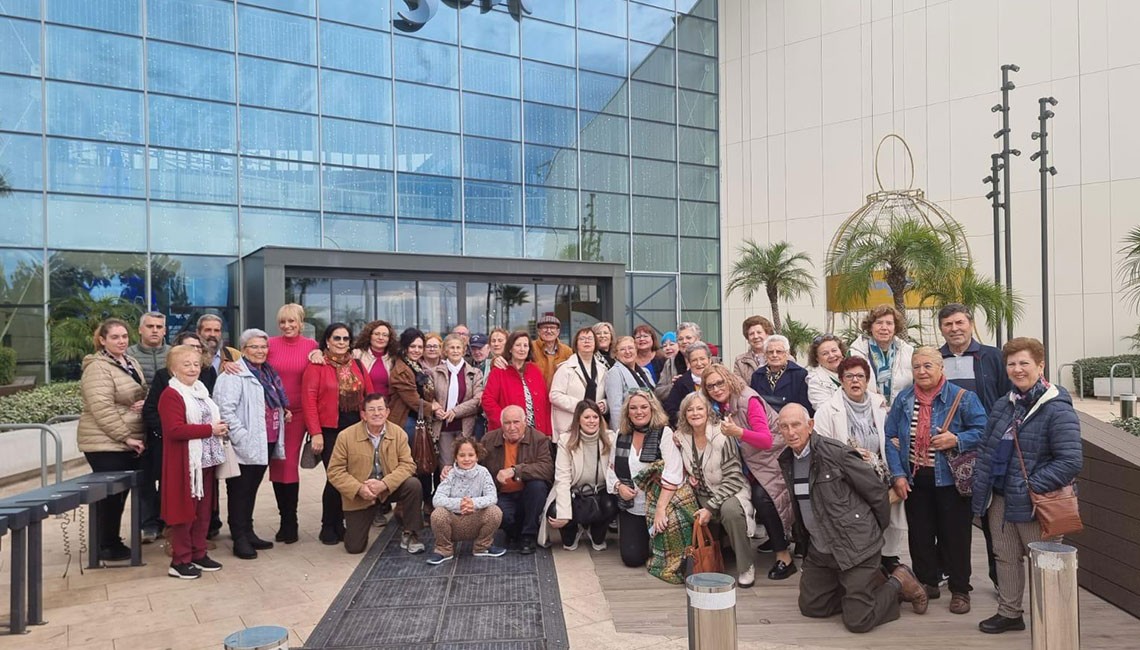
[776, 268]
[1129, 267]
[979, 294]
[5, 188]
[909, 252]
[508, 296]
[74, 319]
[800, 336]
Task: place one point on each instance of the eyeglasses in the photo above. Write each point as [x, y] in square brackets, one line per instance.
[341, 339]
[257, 347]
[854, 376]
[777, 352]
[713, 385]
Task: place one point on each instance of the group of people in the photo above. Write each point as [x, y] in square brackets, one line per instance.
[852, 458]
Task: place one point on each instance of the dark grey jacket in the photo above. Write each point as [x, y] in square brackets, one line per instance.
[151, 359]
[849, 501]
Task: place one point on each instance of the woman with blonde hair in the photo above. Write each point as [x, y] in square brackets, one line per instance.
[433, 351]
[580, 468]
[888, 353]
[604, 335]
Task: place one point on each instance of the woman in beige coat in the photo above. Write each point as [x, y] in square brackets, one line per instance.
[110, 431]
[582, 376]
[579, 466]
[458, 394]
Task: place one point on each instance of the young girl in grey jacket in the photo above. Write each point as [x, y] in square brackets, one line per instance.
[465, 507]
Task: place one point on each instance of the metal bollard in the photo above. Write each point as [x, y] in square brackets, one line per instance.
[1053, 597]
[262, 637]
[1127, 405]
[712, 611]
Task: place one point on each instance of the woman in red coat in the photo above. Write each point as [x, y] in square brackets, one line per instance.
[192, 433]
[331, 395]
[520, 384]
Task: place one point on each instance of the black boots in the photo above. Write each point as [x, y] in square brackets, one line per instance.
[287, 496]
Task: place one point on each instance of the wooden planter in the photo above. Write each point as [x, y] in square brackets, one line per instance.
[27, 382]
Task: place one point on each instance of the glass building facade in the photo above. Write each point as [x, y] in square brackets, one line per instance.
[151, 144]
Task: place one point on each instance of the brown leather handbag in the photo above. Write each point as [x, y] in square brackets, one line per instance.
[424, 450]
[1058, 511]
[703, 555]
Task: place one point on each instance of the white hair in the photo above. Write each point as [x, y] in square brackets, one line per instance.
[252, 333]
[777, 338]
[689, 325]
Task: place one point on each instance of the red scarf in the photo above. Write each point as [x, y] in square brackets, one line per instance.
[922, 432]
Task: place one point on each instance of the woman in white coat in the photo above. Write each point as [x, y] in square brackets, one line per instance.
[624, 376]
[886, 351]
[580, 466]
[857, 416]
[582, 376]
[826, 352]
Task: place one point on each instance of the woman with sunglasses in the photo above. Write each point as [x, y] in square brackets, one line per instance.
[826, 351]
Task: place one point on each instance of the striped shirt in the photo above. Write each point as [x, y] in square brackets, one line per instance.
[915, 460]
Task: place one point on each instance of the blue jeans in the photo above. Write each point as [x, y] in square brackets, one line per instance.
[522, 509]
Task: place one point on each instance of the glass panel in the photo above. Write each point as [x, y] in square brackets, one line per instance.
[427, 197]
[356, 144]
[608, 133]
[190, 71]
[24, 8]
[358, 191]
[602, 16]
[698, 183]
[276, 35]
[699, 255]
[605, 211]
[279, 183]
[696, 35]
[551, 166]
[20, 46]
[96, 113]
[443, 26]
[656, 293]
[427, 107]
[428, 236]
[652, 101]
[351, 300]
[190, 124]
[23, 222]
[653, 253]
[650, 25]
[20, 105]
[396, 301]
[355, 232]
[376, 15]
[548, 84]
[654, 140]
[426, 62]
[605, 247]
[655, 216]
[494, 203]
[702, 8]
[272, 134]
[192, 176]
[559, 12]
[548, 42]
[199, 22]
[355, 50]
[491, 116]
[497, 31]
[185, 286]
[306, 7]
[278, 85]
[603, 94]
[547, 243]
[700, 292]
[602, 53]
[550, 207]
[186, 228]
[698, 146]
[438, 306]
[492, 160]
[108, 15]
[96, 168]
[22, 316]
[427, 152]
[279, 228]
[654, 178]
[550, 125]
[709, 322]
[490, 73]
[70, 219]
[357, 97]
[92, 57]
[605, 172]
[546, 302]
[493, 241]
[698, 109]
[22, 161]
[652, 63]
[314, 294]
[699, 219]
[696, 72]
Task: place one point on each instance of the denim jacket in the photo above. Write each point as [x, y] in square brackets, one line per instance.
[969, 421]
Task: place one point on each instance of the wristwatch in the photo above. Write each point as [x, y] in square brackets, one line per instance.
[515, 469]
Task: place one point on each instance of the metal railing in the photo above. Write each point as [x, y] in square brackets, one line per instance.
[45, 431]
[1112, 379]
[1080, 377]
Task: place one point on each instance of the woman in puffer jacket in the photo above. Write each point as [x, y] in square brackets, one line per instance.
[110, 431]
[465, 505]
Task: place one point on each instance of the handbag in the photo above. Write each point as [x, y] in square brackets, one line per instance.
[309, 458]
[1058, 511]
[229, 467]
[961, 462]
[591, 505]
[703, 555]
[424, 450]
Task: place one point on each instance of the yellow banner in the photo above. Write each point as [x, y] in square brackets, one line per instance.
[880, 294]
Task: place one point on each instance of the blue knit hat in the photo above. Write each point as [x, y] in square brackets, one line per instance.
[668, 337]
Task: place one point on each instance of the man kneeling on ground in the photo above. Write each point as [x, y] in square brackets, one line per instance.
[518, 456]
[372, 464]
[841, 509]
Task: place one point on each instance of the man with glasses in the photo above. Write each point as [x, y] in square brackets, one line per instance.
[781, 381]
[548, 351]
[372, 464]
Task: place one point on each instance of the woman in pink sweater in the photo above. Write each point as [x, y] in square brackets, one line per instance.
[289, 356]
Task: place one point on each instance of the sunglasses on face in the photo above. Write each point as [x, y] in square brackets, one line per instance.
[340, 338]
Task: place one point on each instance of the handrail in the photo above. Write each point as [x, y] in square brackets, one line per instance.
[1112, 379]
[1080, 377]
[44, 431]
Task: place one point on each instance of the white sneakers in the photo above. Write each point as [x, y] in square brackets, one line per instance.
[577, 538]
[748, 578]
[410, 542]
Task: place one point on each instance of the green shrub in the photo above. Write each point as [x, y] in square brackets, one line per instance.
[7, 366]
[1131, 425]
[1094, 367]
[42, 404]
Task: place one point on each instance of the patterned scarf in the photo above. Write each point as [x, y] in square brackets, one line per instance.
[883, 362]
[528, 399]
[350, 387]
[1024, 402]
[274, 391]
[774, 376]
[125, 365]
[922, 433]
[668, 546]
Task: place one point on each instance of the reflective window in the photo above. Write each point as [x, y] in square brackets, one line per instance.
[276, 35]
[21, 162]
[698, 183]
[70, 218]
[428, 237]
[443, 27]
[548, 84]
[306, 7]
[652, 101]
[355, 50]
[495, 203]
[278, 85]
[208, 23]
[357, 232]
[698, 109]
[551, 207]
[375, 15]
[96, 168]
[23, 222]
[699, 219]
[92, 57]
[551, 244]
[359, 191]
[497, 31]
[279, 183]
[654, 178]
[654, 140]
[490, 73]
[605, 172]
[696, 35]
[492, 160]
[192, 176]
[698, 146]
[605, 247]
[108, 15]
[279, 228]
[356, 144]
[185, 285]
[96, 113]
[702, 8]
[427, 197]
[491, 116]
[188, 228]
[551, 166]
[652, 63]
[546, 42]
[492, 241]
[602, 53]
[699, 255]
[20, 46]
[601, 211]
[656, 216]
[602, 93]
[190, 71]
[602, 16]
[23, 8]
[427, 62]
[272, 134]
[550, 125]
[700, 292]
[609, 133]
[427, 152]
[696, 72]
[650, 24]
[559, 12]
[357, 97]
[192, 124]
[652, 297]
[427, 107]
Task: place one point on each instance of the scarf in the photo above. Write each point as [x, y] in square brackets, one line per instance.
[922, 434]
[126, 366]
[1024, 402]
[194, 398]
[650, 452]
[774, 376]
[349, 386]
[882, 362]
[274, 391]
[453, 378]
[861, 424]
[639, 377]
[590, 377]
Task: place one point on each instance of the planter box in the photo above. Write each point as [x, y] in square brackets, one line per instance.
[26, 382]
[1123, 385]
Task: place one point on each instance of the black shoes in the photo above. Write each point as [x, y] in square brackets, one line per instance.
[528, 546]
[997, 624]
[117, 552]
[206, 563]
[328, 536]
[287, 534]
[243, 550]
[766, 547]
[782, 571]
[184, 571]
[259, 544]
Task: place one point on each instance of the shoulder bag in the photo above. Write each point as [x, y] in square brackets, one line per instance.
[961, 462]
[1058, 511]
[591, 504]
[424, 450]
[229, 467]
[309, 458]
[703, 555]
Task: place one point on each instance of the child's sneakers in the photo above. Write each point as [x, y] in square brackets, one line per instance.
[493, 551]
[410, 542]
[436, 558]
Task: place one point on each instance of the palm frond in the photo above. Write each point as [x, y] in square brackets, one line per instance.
[1129, 268]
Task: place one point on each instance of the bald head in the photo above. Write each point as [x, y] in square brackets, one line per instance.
[514, 423]
[795, 425]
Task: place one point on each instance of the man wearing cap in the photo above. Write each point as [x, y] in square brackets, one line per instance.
[548, 351]
[480, 353]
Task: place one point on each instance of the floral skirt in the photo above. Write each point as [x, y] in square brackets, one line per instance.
[668, 547]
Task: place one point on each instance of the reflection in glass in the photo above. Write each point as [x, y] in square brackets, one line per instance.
[605, 172]
[438, 306]
[509, 306]
[551, 166]
[22, 8]
[95, 168]
[602, 93]
[314, 294]
[108, 15]
[20, 47]
[190, 71]
[70, 220]
[654, 140]
[548, 42]
[552, 244]
[652, 101]
[274, 134]
[651, 25]
[396, 302]
[92, 57]
[428, 236]
[492, 160]
[188, 228]
[96, 113]
[182, 283]
[276, 35]
[652, 63]
[602, 53]
[550, 207]
[306, 7]
[20, 105]
[608, 133]
[490, 73]
[427, 197]
[356, 144]
[355, 50]
[23, 222]
[696, 35]
[279, 183]
[492, 241]
[426, 107]
[198, 22]
[492, 117]
[274, 84]
[375, 15]
[550, 125]
[654, 178]
[22, 161]
[496, 31]
[279, 228]
[602, 16]
[192, 176]
[493, 203]
[192, 124]
[696, 72]
[605, 211]
[427, 152]
[357, 232]
[22, 329]
[548, 84]
[426, 62]
[559, 12]
[356, 97]
[358, 191]
[352, 302]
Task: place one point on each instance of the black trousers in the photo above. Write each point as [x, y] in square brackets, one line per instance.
[939, 523]
[597, 531]
[241, 496]
[111, 508]
[332, 511]
[769, 517]
[149, 501]
[633, 538]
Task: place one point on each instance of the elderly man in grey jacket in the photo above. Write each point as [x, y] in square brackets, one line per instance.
[841, 510]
